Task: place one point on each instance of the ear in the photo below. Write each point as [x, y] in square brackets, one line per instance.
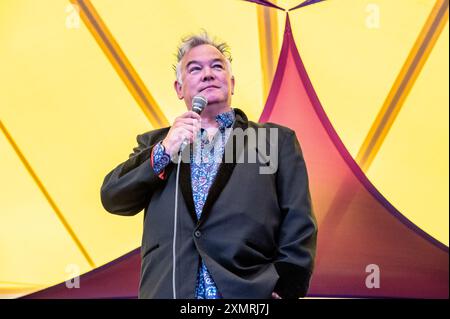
[179, 89]
[232, 85]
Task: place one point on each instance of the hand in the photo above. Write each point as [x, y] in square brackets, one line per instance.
[275, 295]
[185, 127]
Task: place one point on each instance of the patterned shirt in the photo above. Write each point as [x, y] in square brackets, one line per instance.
[205, 161]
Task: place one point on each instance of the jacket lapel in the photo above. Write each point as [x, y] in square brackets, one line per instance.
[223, 174]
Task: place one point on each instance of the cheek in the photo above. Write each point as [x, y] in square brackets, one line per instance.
[227, 84]
[188, 87]
[191, 84]
[226, 80]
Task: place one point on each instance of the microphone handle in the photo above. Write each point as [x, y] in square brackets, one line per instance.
[183, 145]
[186, 141]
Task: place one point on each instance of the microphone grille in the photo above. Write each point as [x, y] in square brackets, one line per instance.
[199, 102]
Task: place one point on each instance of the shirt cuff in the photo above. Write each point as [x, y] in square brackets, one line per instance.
[159, 160]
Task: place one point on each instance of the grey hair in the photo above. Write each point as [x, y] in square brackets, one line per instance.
[194, 40]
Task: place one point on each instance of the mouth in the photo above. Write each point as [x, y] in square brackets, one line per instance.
[209, 87]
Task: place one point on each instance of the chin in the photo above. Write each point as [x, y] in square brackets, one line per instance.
[212, 99]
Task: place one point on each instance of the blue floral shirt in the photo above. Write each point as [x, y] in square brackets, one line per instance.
[205, 161]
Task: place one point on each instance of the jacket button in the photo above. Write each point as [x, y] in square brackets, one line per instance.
[197, 233]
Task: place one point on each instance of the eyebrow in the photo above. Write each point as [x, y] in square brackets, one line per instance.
[198, 62]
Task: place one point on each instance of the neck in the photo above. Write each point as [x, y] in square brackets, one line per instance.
[209, 115]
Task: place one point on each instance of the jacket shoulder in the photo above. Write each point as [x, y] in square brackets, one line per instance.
[283, 131]
[153, 136]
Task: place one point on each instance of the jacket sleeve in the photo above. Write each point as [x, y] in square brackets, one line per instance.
[298, 232]
[127, 189]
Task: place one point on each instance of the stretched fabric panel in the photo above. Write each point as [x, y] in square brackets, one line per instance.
[265, 3]
[358, 227]
[305, 3]
[117, 279]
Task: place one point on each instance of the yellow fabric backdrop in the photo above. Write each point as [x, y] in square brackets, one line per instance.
[73, 119]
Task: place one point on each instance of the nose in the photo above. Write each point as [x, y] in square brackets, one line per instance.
[208, 75]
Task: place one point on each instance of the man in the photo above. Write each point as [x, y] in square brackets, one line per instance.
[242, 232]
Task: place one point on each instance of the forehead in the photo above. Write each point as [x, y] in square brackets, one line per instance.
[203, 53]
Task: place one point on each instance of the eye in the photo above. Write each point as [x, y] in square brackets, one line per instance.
[194, 69]
[218, 66]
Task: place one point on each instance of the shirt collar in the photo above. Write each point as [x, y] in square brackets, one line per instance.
[225, 119]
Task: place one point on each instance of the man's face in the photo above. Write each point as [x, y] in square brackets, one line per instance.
[204, 71]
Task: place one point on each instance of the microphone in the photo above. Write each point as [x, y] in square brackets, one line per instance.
[199, 102]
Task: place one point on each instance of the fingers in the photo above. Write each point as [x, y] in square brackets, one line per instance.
[190, 114]
[184, 134]
[191, 124]
[185, 127]
[192, 127]
[189, 118]
[186, 121]
[193, 115]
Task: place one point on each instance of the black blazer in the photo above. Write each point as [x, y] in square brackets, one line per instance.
[257, 232]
